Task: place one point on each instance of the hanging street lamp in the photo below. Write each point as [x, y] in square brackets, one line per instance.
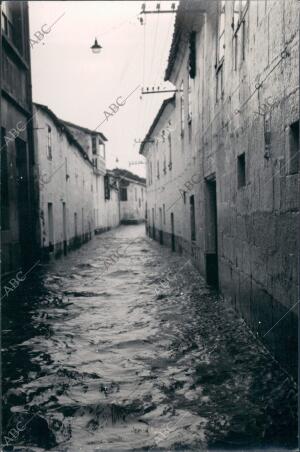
[96, 48]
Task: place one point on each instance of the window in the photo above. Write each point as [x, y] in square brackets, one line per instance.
[135, 194]
[4, 184]
[75, 224]
[238, 22]
[123, 194]
[50, 227]
[102, 150]
[184, 197]
[49, 143]
[189, 101]
[192, 55]
[150, 172]
[241, 170]
[106, 187]
[193, 221]
[164, 214]
[220, 83]
[294, 148]
[165, 165]
[66, 168]
[236, 14]
[243, 39]
[221, 32]
[220, 52]
[157, 169]
[7, 21]
[12, 23]
[170, 151]
[142, 194]
[94, 145]
[140, 202]
[181, 108]
[235, 52]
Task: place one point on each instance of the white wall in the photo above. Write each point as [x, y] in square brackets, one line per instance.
[134, 208]
[68, 178]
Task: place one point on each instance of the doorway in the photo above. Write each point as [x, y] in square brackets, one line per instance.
[161, 234]
[50, 227]
[211, 236]
[25, 231]
[64, 228]
[172, 232]
[192, 218]
[153, 224]
[75, 226]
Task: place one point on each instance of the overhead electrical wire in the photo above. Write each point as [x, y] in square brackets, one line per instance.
[148, 105]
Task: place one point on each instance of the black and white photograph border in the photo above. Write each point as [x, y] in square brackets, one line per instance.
[150, 222]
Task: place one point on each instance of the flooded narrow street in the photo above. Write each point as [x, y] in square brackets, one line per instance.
[101, 352]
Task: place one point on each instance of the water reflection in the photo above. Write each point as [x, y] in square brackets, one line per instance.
[104, 363]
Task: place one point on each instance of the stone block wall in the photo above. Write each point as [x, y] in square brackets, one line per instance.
[242, 139]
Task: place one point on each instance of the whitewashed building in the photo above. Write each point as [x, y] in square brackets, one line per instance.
[106, 209]
[132, 195]
[164, 170]
[71, 174]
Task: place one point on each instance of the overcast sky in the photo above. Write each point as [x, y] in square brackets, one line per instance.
[79, 86]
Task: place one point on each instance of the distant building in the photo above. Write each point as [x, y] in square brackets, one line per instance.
[93, 143]
[232, 203]
[71, 170]
[18, 201]
[132, 196]
[164, 165]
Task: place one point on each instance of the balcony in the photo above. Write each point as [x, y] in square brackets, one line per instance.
[99, 166]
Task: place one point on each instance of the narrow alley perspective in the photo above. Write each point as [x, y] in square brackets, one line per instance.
[139, 354]
[150, 162]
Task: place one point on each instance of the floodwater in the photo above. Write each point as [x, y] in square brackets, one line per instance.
[102, 352]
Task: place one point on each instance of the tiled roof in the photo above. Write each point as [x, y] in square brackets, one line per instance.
[125, 174]
[63, 128]
[187, 17]
[85, 129]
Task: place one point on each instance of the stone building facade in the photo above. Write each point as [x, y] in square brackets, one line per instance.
[236, 139]
[132, 196]
[71, 173]
[18, 203]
